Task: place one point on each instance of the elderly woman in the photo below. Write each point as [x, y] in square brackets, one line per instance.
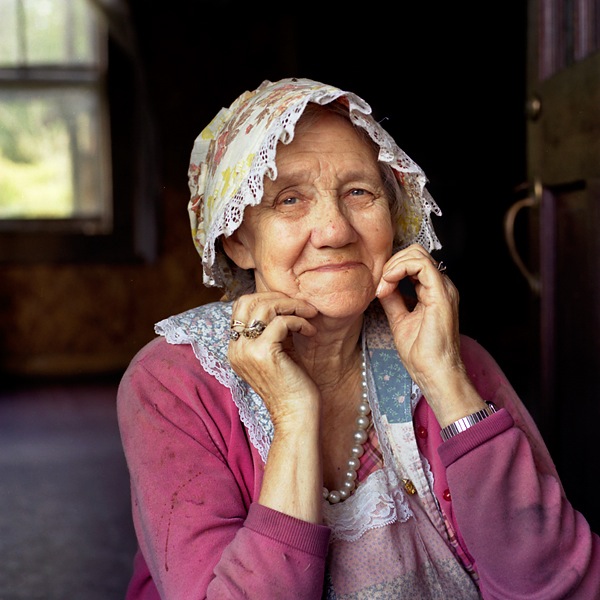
[319, 433]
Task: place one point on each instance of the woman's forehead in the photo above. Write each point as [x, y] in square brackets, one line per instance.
[328, 135]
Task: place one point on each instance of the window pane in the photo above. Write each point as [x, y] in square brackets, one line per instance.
[51, 148]
[48, 32]
[9, 47]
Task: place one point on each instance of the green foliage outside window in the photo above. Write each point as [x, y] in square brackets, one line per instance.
[50, 110]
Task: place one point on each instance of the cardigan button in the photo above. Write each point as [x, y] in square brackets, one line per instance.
[447, 496]
[421, 432]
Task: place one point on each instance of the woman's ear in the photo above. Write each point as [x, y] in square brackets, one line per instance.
[238, 250]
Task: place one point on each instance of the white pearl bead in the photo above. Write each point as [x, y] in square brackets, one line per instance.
[334, 497]
[363, 422]
[348, 485]
[364, 409]
[357, 451]
[354, 464]
[350, 474]
[360, 436]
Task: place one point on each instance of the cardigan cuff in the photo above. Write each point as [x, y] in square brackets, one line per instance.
[302, 535]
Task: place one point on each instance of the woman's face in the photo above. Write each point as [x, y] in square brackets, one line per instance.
[323, 230]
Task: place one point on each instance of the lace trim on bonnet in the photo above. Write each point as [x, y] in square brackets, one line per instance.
[379, 501]
[232, 155]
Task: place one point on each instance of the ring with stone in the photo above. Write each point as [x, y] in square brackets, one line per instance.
[238, 326]
[234, 335]
[254, 329]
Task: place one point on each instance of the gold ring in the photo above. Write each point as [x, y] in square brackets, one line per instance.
[240, 325]
[254, 329]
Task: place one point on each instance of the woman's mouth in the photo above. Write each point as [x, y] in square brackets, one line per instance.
[333, 267]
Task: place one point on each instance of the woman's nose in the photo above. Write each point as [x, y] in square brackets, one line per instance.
[332, 225]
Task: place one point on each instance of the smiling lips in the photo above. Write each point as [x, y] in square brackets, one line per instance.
[343, 266]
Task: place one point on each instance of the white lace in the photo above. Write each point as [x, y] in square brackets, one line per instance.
[378, 501]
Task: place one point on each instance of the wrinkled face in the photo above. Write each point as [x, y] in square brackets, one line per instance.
[323, 230]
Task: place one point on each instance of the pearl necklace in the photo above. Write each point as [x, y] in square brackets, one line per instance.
[360, 436]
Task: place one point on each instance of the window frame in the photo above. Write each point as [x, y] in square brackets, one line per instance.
[131, 236]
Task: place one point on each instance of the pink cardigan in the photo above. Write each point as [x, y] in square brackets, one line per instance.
[195, 478]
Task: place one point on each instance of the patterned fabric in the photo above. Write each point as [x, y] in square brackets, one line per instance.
[232, 155]
[386, 542]
[372, 459]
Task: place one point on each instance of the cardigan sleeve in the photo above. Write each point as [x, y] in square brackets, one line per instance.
[508, 505]
[194, 480]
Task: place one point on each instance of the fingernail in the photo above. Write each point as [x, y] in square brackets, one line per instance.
[379, 287]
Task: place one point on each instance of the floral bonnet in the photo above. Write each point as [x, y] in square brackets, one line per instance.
[237, 149]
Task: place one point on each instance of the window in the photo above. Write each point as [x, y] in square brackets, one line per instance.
[69, 109]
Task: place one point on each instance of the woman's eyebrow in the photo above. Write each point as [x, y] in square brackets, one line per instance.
[298, 174]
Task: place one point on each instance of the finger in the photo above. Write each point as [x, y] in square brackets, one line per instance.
[417, 258]
[264, 314]
[414, 263]
[414, 251]
[395, 306]
[405, 268]
[264, 306]
[276, 331]
[283, 325]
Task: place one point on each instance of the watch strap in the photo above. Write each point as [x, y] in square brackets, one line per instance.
[463, 424]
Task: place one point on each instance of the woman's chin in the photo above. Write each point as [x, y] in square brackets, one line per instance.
[341, 305]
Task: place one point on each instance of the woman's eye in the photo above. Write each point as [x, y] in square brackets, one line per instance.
[360, 194]
[289, 201]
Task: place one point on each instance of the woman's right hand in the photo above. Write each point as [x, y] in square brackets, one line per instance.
[292, 480]
[267, 362]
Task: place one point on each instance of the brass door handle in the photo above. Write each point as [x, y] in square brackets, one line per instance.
[509, 237]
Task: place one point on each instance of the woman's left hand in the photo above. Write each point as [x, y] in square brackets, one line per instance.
[426, 335]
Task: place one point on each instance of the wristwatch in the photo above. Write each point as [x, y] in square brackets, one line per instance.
[466, 422]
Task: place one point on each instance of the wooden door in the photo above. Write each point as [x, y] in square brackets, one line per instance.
[563, 171]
